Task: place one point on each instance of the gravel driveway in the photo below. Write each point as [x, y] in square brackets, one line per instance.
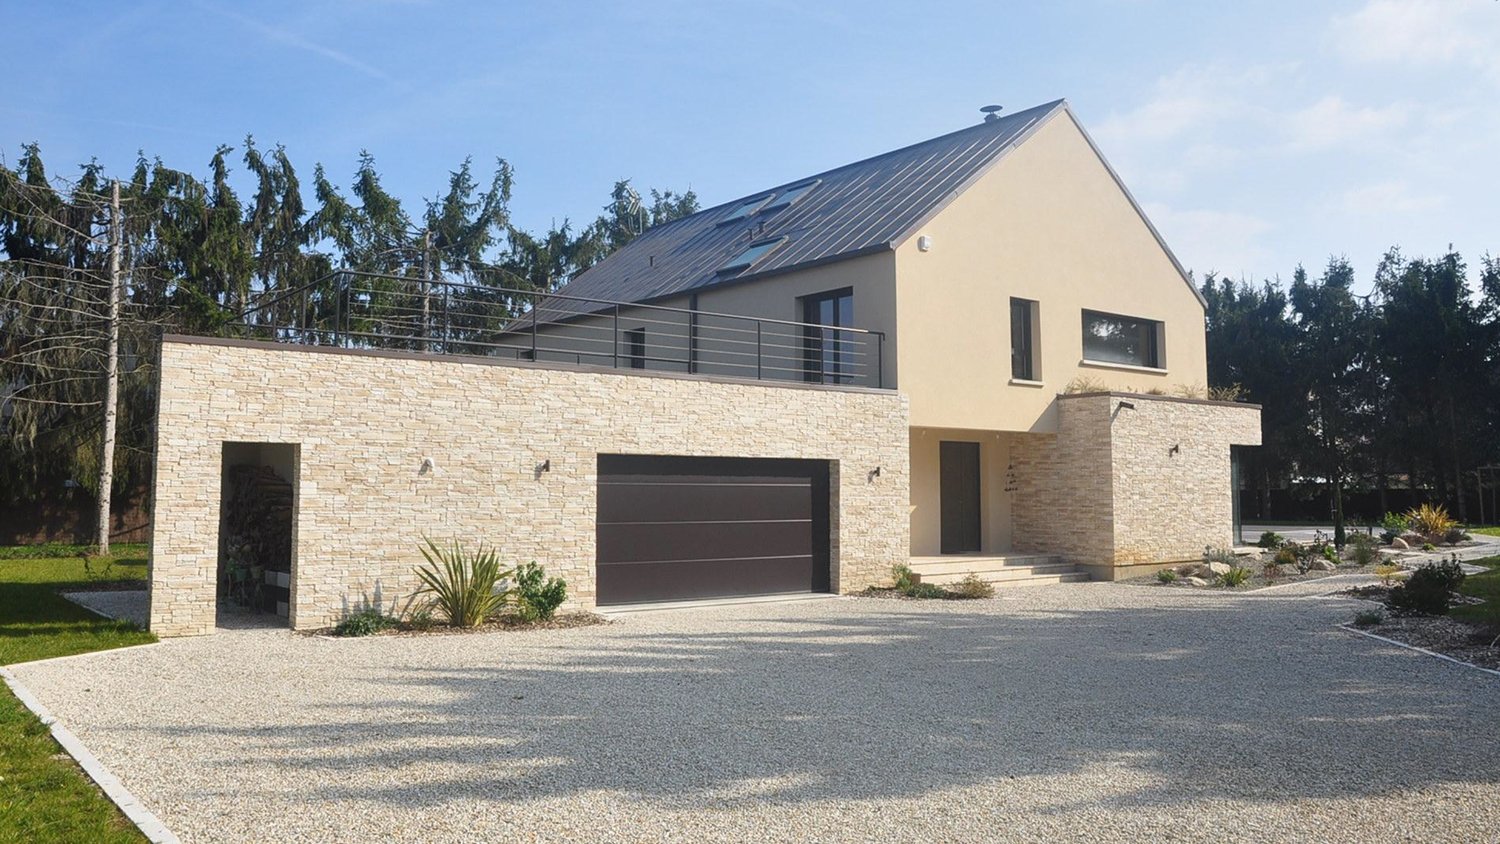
[1087, 712]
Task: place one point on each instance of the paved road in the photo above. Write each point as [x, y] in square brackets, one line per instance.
[1088, 712]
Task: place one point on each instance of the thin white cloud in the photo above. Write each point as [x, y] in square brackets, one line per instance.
[1332, 122]
[1208, 240]
[1394, 196]
[1423, 33]
[292, 39]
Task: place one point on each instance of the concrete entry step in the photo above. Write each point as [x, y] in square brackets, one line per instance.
[1001, 570]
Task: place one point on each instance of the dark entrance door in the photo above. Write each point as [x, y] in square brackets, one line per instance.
[958, 468]
[681, 528]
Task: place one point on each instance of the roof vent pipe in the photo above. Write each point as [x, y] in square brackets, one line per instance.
[991, 113]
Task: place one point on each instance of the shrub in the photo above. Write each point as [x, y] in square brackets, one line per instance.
[1331, 554]
[1234, 577]
[1270, 539]
[1428, 591]
[1428, 546]
[1387, 572]
[537, 596]
[925, 590]
[1166, 576]
[1286, 555]
[1233, 392]
[903, 577]
[972, 587]
[1364, 549]
[365, 622]
[1271, 570]
[1430, 521]
[1085, 384]
[1456, 535]
[1219, 555]
[1368, 618]
[1392, 526]
[420, 617]
[464, 585]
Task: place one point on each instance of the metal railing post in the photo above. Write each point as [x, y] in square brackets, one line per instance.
[880, 360]
[757, 351]
[617, 337]
[533, 326]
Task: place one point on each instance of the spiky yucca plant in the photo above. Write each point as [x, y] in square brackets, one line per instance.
[1431, 521]
[465, 585]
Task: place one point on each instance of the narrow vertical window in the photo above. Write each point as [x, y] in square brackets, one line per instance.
[1022, 351]
[635, 347]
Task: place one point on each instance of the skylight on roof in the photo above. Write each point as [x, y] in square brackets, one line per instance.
[745, 209]
[792, 194]
[752, 253]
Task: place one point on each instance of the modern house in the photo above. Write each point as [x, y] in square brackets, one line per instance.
[967, 354]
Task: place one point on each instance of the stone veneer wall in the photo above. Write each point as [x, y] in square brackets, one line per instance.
[363, 422]
[1109, 492]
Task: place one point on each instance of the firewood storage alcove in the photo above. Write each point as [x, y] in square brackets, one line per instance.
[258, 499]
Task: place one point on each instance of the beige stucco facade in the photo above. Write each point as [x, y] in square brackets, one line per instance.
[362, 424]
[1048, 223]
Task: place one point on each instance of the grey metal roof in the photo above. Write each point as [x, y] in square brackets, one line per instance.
[856, 209]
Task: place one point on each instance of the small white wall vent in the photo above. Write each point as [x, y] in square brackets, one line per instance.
[924, 243]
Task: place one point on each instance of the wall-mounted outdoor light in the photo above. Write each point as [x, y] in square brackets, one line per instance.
[924, 243]
[1175, 449]
[544, 466]
[874, 473]
[1125, 405]
[428, 466]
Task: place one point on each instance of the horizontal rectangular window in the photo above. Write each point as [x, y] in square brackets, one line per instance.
[1111, 338]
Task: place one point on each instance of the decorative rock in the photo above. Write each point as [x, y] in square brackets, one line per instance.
[1193, 581]
[1217, 569]
[1321, 565]
[1399, 544]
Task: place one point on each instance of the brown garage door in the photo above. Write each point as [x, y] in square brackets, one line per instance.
[680, 528]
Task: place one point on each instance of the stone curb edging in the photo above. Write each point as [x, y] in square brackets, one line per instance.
[149, 825]
[1399, 644]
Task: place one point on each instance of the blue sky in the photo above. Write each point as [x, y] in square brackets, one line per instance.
[1257, 135]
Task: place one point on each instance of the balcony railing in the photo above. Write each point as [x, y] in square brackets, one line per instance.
[373, 311]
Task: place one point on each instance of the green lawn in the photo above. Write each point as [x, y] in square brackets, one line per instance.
[43, 794]
[1491, 531]
[1486, 586]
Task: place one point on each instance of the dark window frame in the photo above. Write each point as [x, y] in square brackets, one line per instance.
[635, 347]
[826, 353]
[1153, 339]
[1023, 359]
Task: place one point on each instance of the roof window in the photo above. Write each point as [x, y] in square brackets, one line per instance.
[792, 194]
[752, 253]
[745, 209]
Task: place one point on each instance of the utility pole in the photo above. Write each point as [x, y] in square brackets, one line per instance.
[112, 367]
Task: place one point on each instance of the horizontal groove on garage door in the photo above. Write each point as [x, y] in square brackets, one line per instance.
[677, 528]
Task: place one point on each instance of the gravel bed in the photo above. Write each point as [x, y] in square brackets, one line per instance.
[1081, 712]
[1473, 643]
